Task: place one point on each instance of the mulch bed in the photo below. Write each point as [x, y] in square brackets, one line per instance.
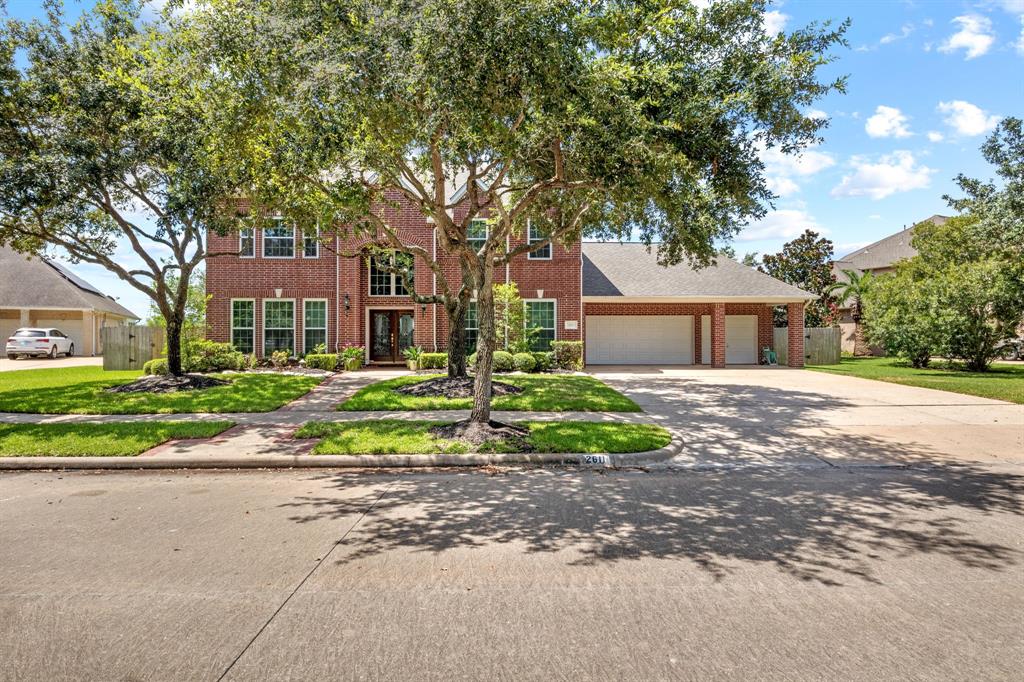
[477, 434]
[462, 387]
[165, 383]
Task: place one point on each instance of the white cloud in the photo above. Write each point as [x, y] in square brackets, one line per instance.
[1019, 43]
[816, 114]
[782, 186]
[775, 22]
[887, 122]
[1013, 6]
[975, 36]
[935, 136]
[850, 247]
[782, 168]
[892, 173]
[781, 224]
[966, 118]
[905, 31]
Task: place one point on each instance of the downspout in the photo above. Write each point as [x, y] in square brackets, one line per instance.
[337, 293]
[433, 308]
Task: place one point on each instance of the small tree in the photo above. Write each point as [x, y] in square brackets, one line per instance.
[194, 321]
[853, 292]
[102, 146]
[899, 314]
[806, 262]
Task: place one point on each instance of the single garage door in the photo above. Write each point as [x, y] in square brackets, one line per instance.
[741, 339]
[639, 339]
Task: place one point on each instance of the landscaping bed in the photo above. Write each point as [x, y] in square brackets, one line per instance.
[398, 437]
[122, 439]
[83, 390]
[1001, 382]
[540, 393]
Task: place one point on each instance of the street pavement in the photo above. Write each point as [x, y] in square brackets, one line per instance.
[838, 572]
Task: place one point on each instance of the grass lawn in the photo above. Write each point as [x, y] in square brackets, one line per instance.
[541, 393]
[399, 437]
[1002, 382]
[98, 440]
[79, 390]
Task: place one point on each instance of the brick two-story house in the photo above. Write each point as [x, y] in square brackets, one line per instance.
[286, 291]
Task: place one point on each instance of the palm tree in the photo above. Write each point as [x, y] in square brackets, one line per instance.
[852, 292]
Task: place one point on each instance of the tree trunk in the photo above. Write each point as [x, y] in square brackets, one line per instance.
[174, 324]
[860, 346]
[481, 413]
[456, 311]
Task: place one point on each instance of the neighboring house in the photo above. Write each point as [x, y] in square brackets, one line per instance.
[38, 292]
[284, 292]
[878, 259]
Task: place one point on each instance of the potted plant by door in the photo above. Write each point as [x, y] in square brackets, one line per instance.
[352, 356]
[412, 357]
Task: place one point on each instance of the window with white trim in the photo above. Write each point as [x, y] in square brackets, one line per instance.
[314, 328]
[472, 328]
[540, 316]
[535, 234]
[278, 326]
[476, 233]
[384, 281]
[279, 240]
[246, 243]
[243, 325]
[311, 244]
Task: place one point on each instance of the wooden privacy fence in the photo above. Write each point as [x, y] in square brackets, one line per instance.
[130, 347]
[821, 345]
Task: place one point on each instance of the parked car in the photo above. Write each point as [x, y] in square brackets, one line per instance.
[1011, 349]
[39, 341]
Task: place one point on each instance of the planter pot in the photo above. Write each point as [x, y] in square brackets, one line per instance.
[412, 364]
[352, 364]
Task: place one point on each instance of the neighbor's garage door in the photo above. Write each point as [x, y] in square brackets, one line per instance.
[639, 339]
[741, 339]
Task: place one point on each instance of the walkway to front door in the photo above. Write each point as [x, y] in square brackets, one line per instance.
[391, 332]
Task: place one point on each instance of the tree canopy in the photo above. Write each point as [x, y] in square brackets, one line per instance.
[806, 262]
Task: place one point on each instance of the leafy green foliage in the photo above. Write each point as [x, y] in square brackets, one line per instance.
[433, 361]
[503, 361]
[325, 361]
[899, 311]
[567, 355]
[194, 322]
[279, 358]
[524, 362]
[201, 355]
[99, 440]
[155, 366]
[806, 262]
[544, 360]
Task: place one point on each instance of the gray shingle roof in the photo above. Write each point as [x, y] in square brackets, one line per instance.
[885, 252]
[29, 283]
[628, 269]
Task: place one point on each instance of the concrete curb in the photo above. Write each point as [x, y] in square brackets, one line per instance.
[343, 461]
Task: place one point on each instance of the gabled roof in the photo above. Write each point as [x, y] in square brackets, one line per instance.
[43, 283]
[630, 270]
[885, 252]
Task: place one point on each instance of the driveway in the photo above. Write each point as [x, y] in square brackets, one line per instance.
[40, 363]
[759, 416]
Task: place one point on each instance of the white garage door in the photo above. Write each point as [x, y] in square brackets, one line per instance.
[71, 328]
[639, 339]
[741, 339]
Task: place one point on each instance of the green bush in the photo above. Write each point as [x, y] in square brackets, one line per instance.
[434, 361]
[279, 358]
[471, 360]
[157, 366]
[201, 355]
[524, 362]
[503, 361]
[543, 360]
[326, 361]
[567, 354]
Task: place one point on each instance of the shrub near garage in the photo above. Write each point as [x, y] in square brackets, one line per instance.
[503, 361]
[568, 355]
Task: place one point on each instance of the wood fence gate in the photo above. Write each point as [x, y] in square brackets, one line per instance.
[821, 345]
[130, 347]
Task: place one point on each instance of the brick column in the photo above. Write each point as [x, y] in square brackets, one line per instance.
[718, 335]
[795, 317]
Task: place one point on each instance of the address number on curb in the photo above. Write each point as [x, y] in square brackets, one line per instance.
[596, 460]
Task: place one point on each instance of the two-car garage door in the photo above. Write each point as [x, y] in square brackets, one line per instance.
[664, 340]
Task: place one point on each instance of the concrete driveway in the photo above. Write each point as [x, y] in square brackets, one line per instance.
[41, 363]
[758, 416]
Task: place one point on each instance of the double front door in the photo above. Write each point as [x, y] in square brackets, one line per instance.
[391, 332]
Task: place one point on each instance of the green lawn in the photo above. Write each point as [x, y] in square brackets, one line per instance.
[541, 393]
[79, 390]
[1002, 382]
[99, 440]
[400, 437]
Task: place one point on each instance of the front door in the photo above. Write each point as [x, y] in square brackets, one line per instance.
[391, 332]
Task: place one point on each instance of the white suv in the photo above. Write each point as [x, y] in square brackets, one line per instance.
[39, 341]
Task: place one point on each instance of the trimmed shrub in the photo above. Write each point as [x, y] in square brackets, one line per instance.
[201, 355]
[567, 354]
[157, 366]
[279, 358]
[471, 360]
[326, 361]
[503, 361]
[543, 360]
[524, 362]
[434, 361]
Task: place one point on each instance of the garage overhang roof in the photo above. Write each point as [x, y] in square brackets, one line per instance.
[768, 300]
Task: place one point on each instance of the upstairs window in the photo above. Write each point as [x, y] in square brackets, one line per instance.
[536, 235]
[279, 240]
[540, 316]
[476, 235]
[246, 243]
[384, 279]
[311, 244]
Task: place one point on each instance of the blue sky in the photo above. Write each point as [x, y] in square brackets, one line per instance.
[928, 80]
